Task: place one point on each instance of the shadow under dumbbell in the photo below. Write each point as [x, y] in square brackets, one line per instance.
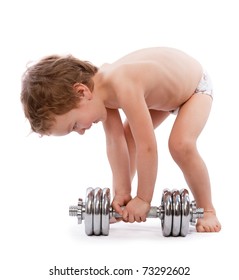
[150, 229]
[135, 230]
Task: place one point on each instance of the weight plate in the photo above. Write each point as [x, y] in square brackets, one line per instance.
[105, 219]
[89, 200]
[166, 220]
[177, 209]
[97, 211]
[185, 200]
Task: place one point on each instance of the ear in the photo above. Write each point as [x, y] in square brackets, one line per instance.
[82, 91]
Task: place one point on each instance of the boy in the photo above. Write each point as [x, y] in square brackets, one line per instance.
[64, 94]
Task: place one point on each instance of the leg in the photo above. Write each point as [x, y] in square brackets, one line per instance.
[188, 125]
[157, 118]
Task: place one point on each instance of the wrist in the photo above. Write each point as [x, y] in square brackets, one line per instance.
[122, 191]
[122, 194]
[121, 188]
[143, 199]
[145, 194]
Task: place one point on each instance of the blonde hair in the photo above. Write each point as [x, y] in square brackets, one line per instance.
[47, 89]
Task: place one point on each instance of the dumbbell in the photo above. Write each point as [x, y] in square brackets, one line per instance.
[176, 212]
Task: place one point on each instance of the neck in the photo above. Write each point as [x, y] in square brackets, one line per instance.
[104, 90]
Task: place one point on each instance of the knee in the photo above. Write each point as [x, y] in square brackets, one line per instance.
[182, 149]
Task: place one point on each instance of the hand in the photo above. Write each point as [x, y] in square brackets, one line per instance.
[136, 210]
[118, 201]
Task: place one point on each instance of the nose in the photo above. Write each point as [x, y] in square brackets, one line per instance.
[81, 131]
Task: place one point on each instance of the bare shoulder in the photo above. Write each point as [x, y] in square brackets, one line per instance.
[130, 72]
[128, 81]
[123, 76]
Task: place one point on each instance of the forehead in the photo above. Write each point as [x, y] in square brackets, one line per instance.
[62, 124]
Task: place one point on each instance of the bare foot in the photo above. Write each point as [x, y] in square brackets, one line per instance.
[209, 222]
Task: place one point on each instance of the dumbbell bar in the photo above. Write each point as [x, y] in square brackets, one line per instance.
[176, 212]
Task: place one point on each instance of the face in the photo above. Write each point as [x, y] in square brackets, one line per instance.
[89, 111]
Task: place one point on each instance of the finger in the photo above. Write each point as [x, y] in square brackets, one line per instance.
[114, 220]
[143, 218]
[138, 219]
[117, 208]
[131, 219]
[125, 216]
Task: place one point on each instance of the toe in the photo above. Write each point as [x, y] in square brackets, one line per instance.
[217, 228]
[207, 229]
[200, 228]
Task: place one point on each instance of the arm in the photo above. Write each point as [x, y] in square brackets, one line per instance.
[146, 147]
[118, 156]
[142, 129]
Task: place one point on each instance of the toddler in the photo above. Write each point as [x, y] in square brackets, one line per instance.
[62, 94]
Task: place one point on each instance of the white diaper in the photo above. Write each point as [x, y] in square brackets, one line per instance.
[204, 87]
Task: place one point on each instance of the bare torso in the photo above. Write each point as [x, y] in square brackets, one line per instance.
[166, 77]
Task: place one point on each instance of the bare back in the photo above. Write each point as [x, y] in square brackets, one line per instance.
[166, 77]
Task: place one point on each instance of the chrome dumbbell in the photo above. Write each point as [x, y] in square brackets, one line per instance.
[176, 212]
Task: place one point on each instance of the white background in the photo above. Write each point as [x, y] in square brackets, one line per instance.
[41, 177]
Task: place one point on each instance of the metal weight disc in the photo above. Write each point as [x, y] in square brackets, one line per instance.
[105, 219]
[97, 211]
[176, 200]
[166, 220]
[185, 200]
[89, 200]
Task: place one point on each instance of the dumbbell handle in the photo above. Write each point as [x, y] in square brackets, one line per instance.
[154, 212]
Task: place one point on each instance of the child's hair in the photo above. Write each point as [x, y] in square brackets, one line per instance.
[47, 89]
